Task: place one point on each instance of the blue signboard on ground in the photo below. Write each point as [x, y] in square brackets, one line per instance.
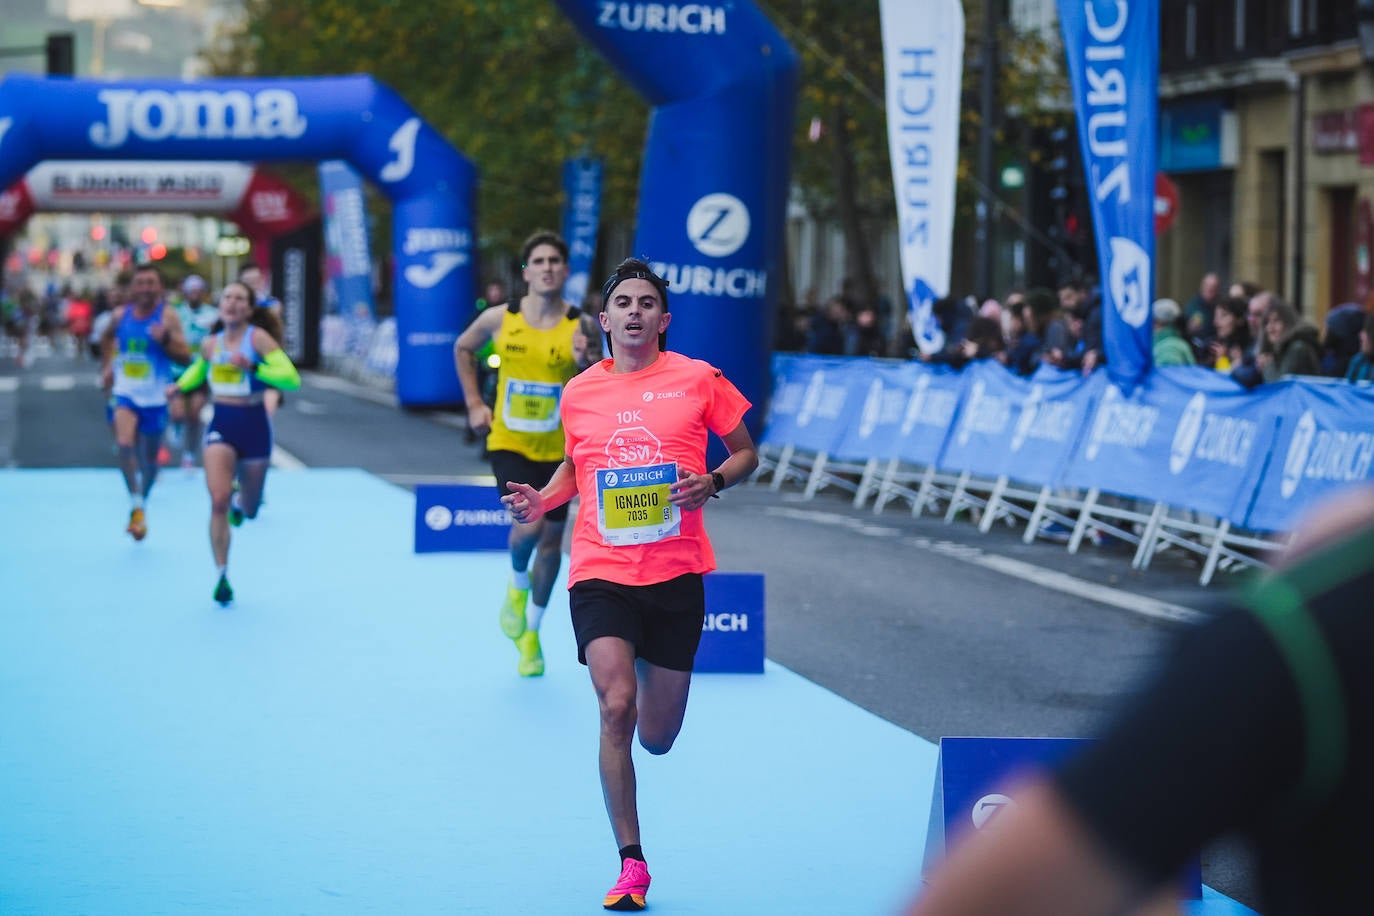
[732, 636]
[973, 774]
[459, 517]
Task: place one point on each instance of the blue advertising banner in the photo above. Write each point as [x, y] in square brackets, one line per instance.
[971, 777]
[1049, 423]
[712, 213]
[1218, 437]
[936, 393]
[455, 517]
[732, 636]
[923, 63]
[813, 397]
[873, 430]
[1113, 55]
[1324, 442]
[581, 220]
[348, 258]
[432, 187]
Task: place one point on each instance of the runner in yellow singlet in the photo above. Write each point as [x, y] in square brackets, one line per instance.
[542, 342]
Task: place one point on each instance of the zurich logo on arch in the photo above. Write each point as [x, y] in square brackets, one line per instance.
[718, 225]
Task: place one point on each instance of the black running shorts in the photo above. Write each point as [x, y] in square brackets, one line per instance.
[662, 621]
[508, 466]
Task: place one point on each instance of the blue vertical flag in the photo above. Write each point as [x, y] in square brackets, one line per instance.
[581, 218]
[923, 57]
[348, 261]
[1113, 54]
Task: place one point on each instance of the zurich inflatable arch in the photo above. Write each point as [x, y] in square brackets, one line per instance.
[354, 118]
[713, 185]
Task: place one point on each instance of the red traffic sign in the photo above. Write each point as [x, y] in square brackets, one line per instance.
[1166, 203]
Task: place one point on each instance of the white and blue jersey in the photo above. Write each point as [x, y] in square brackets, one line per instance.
[243, 427]
[228, 380]
[142, 369]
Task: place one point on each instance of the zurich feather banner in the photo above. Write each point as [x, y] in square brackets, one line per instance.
[1112, 48]
[581, 219]
[923, 57]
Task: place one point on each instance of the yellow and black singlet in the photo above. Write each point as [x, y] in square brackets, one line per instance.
[535, 364]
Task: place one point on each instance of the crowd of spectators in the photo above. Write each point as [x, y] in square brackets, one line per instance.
[1247, 332]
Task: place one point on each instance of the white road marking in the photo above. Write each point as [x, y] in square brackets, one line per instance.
[57, 382]
[284, 460]
[1019, 569]
[9, 385]
[309, 408]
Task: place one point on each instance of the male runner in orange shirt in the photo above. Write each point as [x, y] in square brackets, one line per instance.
[636, 426]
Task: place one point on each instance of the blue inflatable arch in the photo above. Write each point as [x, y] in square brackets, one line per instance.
[354, 118]
[717, 163]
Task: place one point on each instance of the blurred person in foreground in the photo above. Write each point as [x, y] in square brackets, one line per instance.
[1259, 725]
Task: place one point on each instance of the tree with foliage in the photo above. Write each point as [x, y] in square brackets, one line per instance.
[509, 83]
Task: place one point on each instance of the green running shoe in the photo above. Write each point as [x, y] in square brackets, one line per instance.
[235, 515]
[531, 656]
[223, 593]
[513, 611]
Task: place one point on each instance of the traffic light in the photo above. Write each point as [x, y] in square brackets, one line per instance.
[60, 54]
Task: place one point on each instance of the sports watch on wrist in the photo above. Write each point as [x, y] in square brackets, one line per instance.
[719, 480]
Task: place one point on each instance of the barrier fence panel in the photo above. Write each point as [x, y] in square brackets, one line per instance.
[1186, 460]
[930, 413]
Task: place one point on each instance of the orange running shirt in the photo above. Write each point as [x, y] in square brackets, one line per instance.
[621, 430]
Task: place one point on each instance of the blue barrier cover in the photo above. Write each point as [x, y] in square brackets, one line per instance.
[881, 390]
[936, 393]
[1324, 441]
[817, 397]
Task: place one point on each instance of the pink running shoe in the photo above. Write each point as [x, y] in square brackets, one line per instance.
[629, 891]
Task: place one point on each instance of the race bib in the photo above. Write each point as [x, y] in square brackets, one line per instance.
[632, 504]
[229, 380]
[135, 368]
[226, 374]
[531, 407]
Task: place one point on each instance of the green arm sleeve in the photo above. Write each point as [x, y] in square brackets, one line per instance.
[277, 370]
[194, 376]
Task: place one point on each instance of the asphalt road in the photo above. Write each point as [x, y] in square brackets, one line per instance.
[899, 615]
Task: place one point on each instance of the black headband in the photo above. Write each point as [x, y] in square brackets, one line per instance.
[659, 283]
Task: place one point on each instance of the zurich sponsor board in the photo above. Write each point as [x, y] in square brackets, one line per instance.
[984, 414]
[732, 632]
[1317, 454]
[1120, 423]
[969, 777]
[1212, 437]
[459, 518]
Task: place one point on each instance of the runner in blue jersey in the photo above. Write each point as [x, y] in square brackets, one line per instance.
[241, 364]
[138, 348]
